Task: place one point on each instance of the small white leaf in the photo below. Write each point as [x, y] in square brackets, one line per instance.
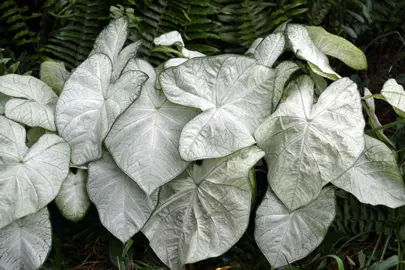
[111, 40]
[30, 179]
[269, 49]
[122, 205]
[285, 237]
[169, 39]
[144, 140]
[54, 74]
[174, 62]
[233, 92]
[33, 102]
[304, 47]
[373, 119]
[284, 70]
[394, 94]
[124, 56]
[204, 211]
[89, 105]
[253, 47]
[307, 145]
[25, 243]
[72, 199]
[374, 178]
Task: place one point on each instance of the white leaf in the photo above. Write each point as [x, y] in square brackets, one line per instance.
[307, 145]
[124, 56]
[373, 119]
[25, 243]
[394, 94]
[304, 47]
[72, 199]
[374, 178]
[89, 105]
[144, 140]
[111, 40]
[284, 70]
[30, 179]
[253, 47]
[285, 237]
[33, 102]
[122, 205]
[169, 39]
[269, 49]
[54, 74]
[204, 211]
[173, 62]
[233, 92]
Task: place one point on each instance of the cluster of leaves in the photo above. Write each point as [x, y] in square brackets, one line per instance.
[170, 151]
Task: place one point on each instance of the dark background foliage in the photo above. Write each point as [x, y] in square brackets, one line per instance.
[362, 237]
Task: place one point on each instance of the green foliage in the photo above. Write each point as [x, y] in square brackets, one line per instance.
[193, 19]
[15, 24]
[78, 24]
[357, 17]
[244, 20]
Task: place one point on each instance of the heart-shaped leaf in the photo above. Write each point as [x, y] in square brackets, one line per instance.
[25, 243]
[374, 178]
[233, 92]
[204, 211]
[33, 102]
[72, 199]
[144, 140]
[30, 178]
[285, 237]
[89, 105]
[122, 205]
[267, 50]
[307, 145]
[110, 42]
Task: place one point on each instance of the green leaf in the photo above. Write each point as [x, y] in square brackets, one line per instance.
[307, 145]
[337, 47]
[54, 74]
[204, 211]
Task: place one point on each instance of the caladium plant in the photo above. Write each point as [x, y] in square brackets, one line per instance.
[170, 151]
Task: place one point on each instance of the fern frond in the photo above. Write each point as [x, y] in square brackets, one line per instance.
[14, 24]
[194, 19]
[80, 23]
[354, 218]
[246, 20]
